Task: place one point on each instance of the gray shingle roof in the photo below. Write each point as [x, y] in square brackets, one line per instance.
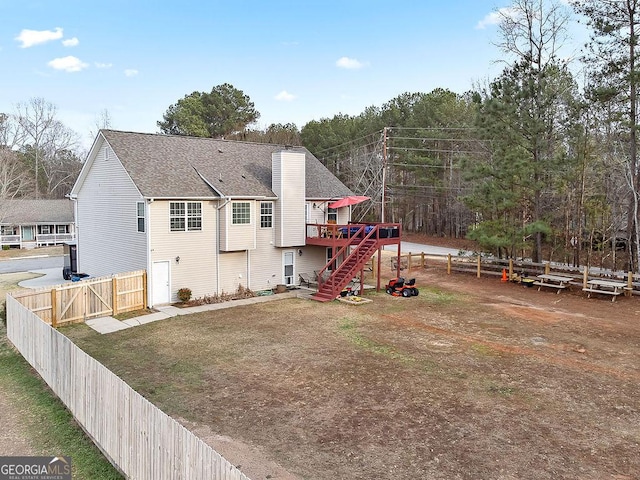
[165, 166]
[34, 212]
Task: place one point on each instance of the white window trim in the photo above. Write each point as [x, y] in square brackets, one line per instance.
[233, 204]
[138, 217]
[266, 215]
[185, 217]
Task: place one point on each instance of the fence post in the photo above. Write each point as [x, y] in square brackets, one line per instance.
[114, 296]
[409, 263]
[585, 277]
[422, 264]
[547, 268]
[448, 264]
[479, 266]
[630, 283]
[510, 268]
[54, 308]
[144, 289]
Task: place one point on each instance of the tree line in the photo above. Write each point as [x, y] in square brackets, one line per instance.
[533, 163]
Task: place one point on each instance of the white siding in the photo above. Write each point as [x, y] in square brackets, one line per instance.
[197, 250]
[107, 229]
[288, 183]
[233, 271]
[238, 237]
[266, 261]
[313, 258]
[319, 214]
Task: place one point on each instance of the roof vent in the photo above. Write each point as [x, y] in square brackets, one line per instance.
[220, 150]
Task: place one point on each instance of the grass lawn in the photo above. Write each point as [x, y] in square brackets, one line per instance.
[504, 382]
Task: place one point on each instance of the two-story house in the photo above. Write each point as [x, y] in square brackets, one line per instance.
[205, 214]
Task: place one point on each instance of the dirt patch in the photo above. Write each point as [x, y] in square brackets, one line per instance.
[474, 378]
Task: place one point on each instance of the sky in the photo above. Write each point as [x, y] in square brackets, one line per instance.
[297, 60]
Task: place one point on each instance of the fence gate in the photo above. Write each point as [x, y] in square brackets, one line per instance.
[78, 301]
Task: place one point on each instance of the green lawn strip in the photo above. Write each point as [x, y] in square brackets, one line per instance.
[349, 328]
[51, 427]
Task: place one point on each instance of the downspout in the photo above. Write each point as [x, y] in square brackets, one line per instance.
[226, 201]
[147, 232]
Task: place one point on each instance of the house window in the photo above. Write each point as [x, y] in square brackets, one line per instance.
[332, 215]
[241, 213]
[45, 229]
[140, 215]
[185, 216]
[194, 216]
[62, 229]
[8, 230]
[266, 214]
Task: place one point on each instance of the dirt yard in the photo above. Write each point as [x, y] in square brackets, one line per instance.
[472, 379]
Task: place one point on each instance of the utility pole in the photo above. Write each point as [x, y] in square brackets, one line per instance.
[384, 173]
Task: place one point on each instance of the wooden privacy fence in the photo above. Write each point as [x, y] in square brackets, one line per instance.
[137, 437]
[96, 297]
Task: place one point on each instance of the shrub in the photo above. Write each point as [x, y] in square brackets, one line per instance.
[184, 295]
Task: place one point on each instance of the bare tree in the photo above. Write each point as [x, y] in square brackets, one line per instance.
[35, 119]
[102, 121]
[60, 164]
[49, 144]
[15, 181]
[11, 135]
[533, 30]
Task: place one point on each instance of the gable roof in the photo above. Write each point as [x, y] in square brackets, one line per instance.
[166, 166]
[36, 212]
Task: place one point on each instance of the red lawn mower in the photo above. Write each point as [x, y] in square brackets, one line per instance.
[399, 288]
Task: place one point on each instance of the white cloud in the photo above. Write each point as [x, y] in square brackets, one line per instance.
[349, 63]
[494, 18]
[285, 96]
[29, 38]
[70, 42]
[103, 65]
[130, 72]
[68, 64]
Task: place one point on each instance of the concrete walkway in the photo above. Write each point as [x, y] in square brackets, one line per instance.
[109, 324]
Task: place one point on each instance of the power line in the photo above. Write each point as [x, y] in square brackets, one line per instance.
[434, 150]
[347, 143]
[437, 139]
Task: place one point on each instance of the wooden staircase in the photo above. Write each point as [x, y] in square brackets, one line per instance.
[340, 277]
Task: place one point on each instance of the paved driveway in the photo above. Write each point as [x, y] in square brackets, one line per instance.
[50, 269]
[409, 247]
[28, 264]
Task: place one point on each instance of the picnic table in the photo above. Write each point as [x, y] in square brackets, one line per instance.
[605, 287]
[558, 282]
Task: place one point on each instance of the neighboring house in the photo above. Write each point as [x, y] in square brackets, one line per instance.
[36, 223]
[201, 213]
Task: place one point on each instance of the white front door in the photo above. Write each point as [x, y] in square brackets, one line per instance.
[287, 262]
[161, 283]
